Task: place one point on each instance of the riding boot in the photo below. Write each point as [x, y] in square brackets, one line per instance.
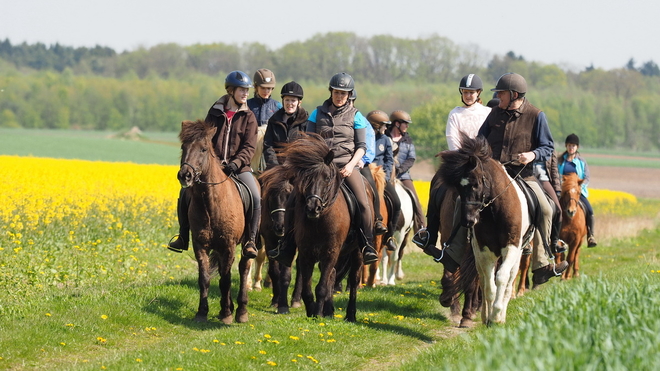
[379, 227]
[182, 240]
[391, 243]
[250, 247]
[557, 244]
[591, 240]
[369, 255]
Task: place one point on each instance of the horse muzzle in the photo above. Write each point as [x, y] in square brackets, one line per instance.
[185, 177]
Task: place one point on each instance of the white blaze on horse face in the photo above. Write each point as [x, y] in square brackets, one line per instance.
[464, 182]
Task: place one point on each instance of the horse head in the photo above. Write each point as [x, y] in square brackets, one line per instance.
[276, 190]
[196, 151]
[465, 170]
[570, 194]
[314, 175]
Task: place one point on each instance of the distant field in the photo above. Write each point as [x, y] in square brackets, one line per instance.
[156, 148]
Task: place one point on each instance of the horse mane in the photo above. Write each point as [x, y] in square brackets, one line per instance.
[307, 161]
[194, 130]
[456, 163]
[569, 181]
[274, 180]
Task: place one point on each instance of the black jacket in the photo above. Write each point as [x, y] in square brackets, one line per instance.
[279, 133]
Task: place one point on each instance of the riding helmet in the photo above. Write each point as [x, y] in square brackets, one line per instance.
[378, 118]
[264, 77]
[342, 81]
[238, 79]
[471, 82]
[400, 115]
[292, 89]
[573, 139]
[511, 82]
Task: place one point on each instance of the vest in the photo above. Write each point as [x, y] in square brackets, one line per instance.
[338, 130]
[511, 133]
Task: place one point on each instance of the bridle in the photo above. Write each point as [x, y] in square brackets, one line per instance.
[325, 203]
[198, 173]
[483, 204]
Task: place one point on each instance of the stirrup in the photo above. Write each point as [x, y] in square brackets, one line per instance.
[421, 238]
[249, 250]
[175, 249]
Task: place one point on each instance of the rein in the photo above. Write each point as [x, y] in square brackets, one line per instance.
[198, 173]
[483, 197]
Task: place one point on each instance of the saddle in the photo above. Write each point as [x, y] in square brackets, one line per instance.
[246, 196]
[353, 207]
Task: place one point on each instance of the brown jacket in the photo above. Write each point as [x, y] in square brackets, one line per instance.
[235, 140]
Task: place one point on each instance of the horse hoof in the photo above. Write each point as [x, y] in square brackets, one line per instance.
[243, 318]
[466, 323]
[296, 304]
[200, 319]
[227, 320]
[267, 284]
[282, 310]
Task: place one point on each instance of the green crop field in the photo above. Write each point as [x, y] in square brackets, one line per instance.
[99, 290]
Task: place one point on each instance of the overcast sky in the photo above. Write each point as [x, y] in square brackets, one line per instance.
[571, 33]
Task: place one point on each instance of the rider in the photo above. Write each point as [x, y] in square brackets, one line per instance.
[518, 134]
[385, 157]
[571, 162]
[467, 119]
[263, 107]
[285, 125]
[552, 186]
[234, 143]
[404, 157]
[343, 128]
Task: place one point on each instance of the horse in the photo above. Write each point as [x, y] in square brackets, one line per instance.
[322, 225]
[391, 260]
[216, 220]
[494, 210]
[573, 226]
[276, 189]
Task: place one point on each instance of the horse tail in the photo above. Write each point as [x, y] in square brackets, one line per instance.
[465, 278]
[214, 262]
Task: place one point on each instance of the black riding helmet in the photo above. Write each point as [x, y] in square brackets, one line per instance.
[342, 81]
[573, 139]
[470, 82]
[292, 89]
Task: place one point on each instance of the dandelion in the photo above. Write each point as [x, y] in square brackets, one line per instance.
[138, 360]
[104, 316]
[262, 352]
[216, 340]
[321, 324]
[48, 314]
[294, 337]
[70, 325]
[267, 336]
[239, 343]
[271, 363]
[101, 340]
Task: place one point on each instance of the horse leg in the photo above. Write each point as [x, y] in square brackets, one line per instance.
[297, 291]
[325, 285]
[505, 278]
[525, 262]
[486, 263]
[329, 305]
[471, 304]
[576, 264]
[399, 265]
[283, 282]
[572, 253]
[242, 299]
[226, 303]
[204, 281]
[274, 271]
[259, 262]
[351, 309]
[306, 276]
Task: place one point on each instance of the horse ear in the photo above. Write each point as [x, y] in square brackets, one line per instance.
[329, 157]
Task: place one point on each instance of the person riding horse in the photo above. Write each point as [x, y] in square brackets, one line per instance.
[234, 144]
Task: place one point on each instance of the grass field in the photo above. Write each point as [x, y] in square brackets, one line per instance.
[87, 284]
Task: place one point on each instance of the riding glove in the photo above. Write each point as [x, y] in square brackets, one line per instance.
[230, 168]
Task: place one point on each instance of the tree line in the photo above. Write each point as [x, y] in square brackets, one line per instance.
[158, 87]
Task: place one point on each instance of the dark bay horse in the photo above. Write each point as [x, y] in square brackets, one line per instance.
[216, 219]
[494, 210]
[275, 191]
[573, 226]
[321, 225]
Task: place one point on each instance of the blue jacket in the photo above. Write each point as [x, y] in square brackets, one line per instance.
[370, 153]
[263, 108]
[405, 157]
[581, 168]
[384, 156]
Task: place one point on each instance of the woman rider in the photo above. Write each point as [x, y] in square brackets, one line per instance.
[343, 128]
[571, 162]
[263, 107]
[285, 125]
[234, 144]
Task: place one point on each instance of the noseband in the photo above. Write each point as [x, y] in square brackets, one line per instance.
[198, 173]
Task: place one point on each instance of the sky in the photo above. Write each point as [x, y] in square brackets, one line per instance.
[573, 34]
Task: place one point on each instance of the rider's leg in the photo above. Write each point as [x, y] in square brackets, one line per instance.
[452, 254]
[355, 183]
[541, 268]
[556, 243]
[379, 227]
[589, 214]
[390, 190]
[429, 236]
[182, 240]
[250, 247]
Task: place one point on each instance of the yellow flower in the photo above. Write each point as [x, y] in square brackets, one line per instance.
[262, 352]
[104, 316]
[271, 363]
[294, 337]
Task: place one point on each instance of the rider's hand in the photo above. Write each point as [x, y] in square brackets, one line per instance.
[526, 157]
[230, 168]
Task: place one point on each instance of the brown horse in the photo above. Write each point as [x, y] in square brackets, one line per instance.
[216, 219]
[494, 210]
[369, 275]
[276, 189]
[321, 225]
[573, 226]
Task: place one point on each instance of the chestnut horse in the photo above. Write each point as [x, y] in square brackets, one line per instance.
[275, 191]
[494, 210]
[321, 225]
[573, 226]
[216, 219]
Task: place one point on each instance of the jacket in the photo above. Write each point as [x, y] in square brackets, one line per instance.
[279, 132]
[235, 140]
[384, 155]
[263, 109]
[404, 156]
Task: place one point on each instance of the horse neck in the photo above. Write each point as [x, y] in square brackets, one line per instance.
[501, 184]
[213, 182]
